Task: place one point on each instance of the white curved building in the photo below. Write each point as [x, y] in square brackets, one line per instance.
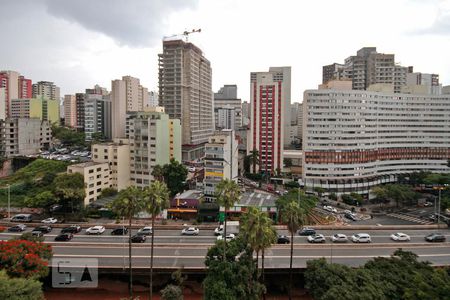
[353, 140]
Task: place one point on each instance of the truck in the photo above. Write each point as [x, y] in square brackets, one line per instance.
[232, 227]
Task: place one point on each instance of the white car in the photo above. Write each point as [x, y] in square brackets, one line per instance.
[95, 230]
[339, 238]
[190, 231]
[218, 230]
[361, 238]
[230, 237]
[330, 208]
[400, 237]
[49, 221]
[191, 169]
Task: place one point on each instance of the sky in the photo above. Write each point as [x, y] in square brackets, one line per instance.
[78, 44]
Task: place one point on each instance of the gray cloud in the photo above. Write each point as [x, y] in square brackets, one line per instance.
[136, 23]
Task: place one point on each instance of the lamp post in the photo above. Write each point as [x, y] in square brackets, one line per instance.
[9, 201]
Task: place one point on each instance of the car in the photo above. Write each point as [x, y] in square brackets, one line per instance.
[339, 238]
[307, 231]
[400, 237]
[71, 229]
[49, 221]
[144, 231]
[330, 208]
[350, 216]
[138, 238]
[435, 237]
[37, 233]
[95, 230]
[316, 238]
[119, 231]
[361, 238]
[283, 239]
[191, 169]
[43, 229]
[190, 231]
[64, 237]
[230, 237]
[22, 218]
[218, 230]
[427, 204]
[17, 228]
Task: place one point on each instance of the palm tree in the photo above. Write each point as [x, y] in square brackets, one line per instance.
[227, 193]
[294, 217]
[156, 199]
[254, 159]
[158, 173]
[127, 204]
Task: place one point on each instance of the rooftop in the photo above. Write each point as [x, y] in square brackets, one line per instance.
[87, 164]
[257, 199]
[190, 194]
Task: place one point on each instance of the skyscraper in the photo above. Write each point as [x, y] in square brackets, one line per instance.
[70, 111]
[185, 91]
[270, 96]
[46, 89]
[227, 108]
[25, 90]
[9, 81]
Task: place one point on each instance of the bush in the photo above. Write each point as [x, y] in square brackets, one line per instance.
[291, 185]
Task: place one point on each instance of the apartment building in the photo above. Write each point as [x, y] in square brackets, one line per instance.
[221, 160]
[270, 94]
[96, 178]
[80, 115]
[41, 108]
[354, 140]
[429, 81]
[9, 82]
[45, 89]
[227, 108]
[24, 136]
[70, 111]
[185, 91]
[97, 115]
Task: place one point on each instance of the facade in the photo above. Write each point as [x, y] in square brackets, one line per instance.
[25, 89]
[9, 80]
[2, 103]
[117, 155]
[185, 91]
[70, 111]
[97, 115]
[24, 136]
[270, 94]
[96, 178]
[354, 140]
[245, 113]
[227, 108]
[221, 160]
[41, 108]
[429, 81]
[332, 72]
[153, 99]
[154, 140]
[80, 115]
[127, 95]
[45, 89]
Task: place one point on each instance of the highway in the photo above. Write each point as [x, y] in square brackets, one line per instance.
[173, 250]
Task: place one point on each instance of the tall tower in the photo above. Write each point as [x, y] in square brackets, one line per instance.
[270, 96]
[70, 111]
[185, 91]
[46, 89]
[9, 80]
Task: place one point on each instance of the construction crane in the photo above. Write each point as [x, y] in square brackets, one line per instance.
[185, 33]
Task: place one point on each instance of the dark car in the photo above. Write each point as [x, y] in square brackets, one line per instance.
[17, 228]
[120, 231]
[71, 229]
[138, 239]
[37, 233]
[282, 239]
[64, 237]
[43, 229]
[350, 216]
[307, 231]
[435, 237]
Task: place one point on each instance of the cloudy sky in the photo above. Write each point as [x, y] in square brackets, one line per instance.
[80, 43]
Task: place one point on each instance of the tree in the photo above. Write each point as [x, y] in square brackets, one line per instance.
[108, 192]
[97, 137]
[68, 136]
[233, 277]
[333, 196]
[175, 175]
[319, 190]
[156, 198]
[227, 193]
[69, 188]
[294, 217]
[158, 173]
[43, 199]
[20, 288]
[128, 203]
[26, 259]
[254, 159]
[174, 291]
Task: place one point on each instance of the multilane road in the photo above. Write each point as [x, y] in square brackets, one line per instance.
[173, 250]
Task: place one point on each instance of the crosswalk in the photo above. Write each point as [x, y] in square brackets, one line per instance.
[409, 218]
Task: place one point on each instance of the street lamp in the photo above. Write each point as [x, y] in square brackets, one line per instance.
[9, 201]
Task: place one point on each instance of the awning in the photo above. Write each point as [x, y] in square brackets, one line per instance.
[181, 210]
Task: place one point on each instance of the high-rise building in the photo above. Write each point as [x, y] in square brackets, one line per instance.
[153, 99]
[185, 91]
[227, 108]
[245, 113]
[127, 95]
[354, 140]
[429, 81]
[41, 108]
[45, 89]
[70, 111]
[25, 90]
[2, 103]
[332, 72]
[80, 115]
[270, 96]
[97, 115]
[221, 160]
[9, 80]
[154, 140]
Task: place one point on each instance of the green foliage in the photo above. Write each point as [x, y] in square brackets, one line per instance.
[234, 277]
[44, 200]
[108, 192]
[319, 190]
[68, 136]
[254, 176]
[398, 277]
[128, 203]
[27, 236]
[306, 202]
[435, 178]
[20, 288]
[98, 137]
[333, 196]
[400, 193]
[172, 292]
[254, 159]
[39, 168]
[175, 175]
[357, 197]
[291, 185]
[227, 193]
[69, 188]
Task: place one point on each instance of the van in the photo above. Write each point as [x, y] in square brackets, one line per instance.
[22, 218]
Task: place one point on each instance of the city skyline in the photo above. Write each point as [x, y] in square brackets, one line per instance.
[77, 47]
